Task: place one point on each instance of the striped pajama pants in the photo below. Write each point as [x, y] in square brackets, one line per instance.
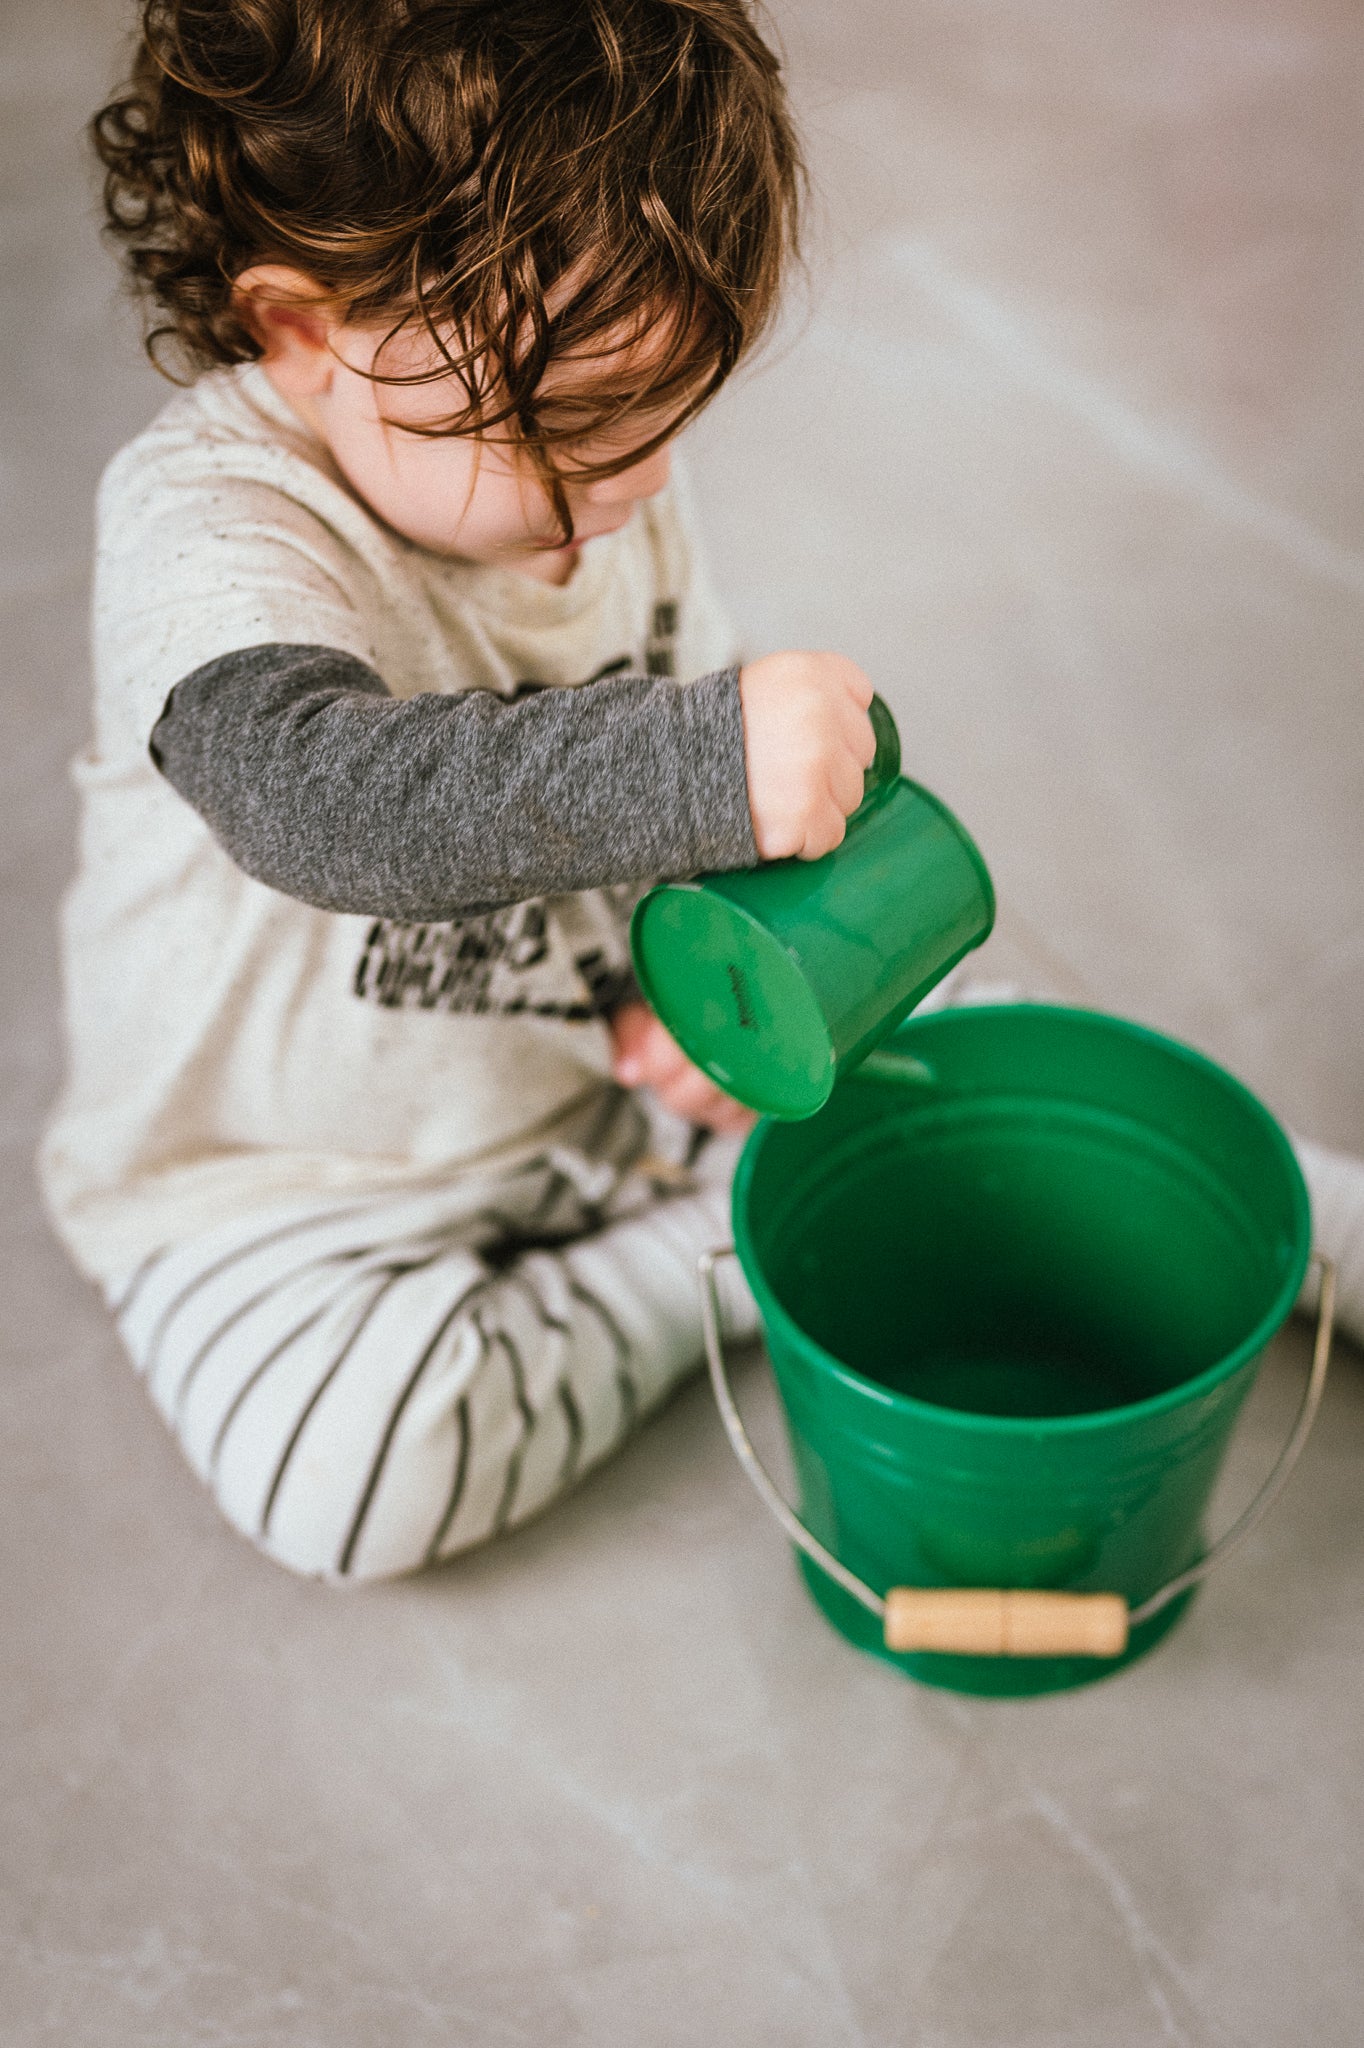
[370, 1387]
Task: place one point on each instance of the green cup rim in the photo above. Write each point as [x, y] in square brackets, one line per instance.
[695, 886]
[1031, 1427]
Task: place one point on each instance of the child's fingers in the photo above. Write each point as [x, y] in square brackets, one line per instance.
[695, 1096]
[825, 829]
[660, 1060]
[861, 734]
[846, 783]
[648, 1056]
[635, 1035]
[727, 1115]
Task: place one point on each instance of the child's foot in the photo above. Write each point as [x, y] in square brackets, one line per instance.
[1336, 1185]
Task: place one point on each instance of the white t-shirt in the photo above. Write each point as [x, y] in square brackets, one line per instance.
[230, 1046]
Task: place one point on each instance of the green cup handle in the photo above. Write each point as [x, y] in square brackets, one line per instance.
[884, 771]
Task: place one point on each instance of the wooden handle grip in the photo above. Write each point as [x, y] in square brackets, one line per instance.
[1006, 1624]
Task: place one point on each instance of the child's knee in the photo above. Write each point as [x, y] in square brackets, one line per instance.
[317, 1529]
[386, 1511]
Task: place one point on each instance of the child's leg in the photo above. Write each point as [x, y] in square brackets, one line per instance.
[368, 1391]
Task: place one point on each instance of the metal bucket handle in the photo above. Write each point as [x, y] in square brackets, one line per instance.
[1007, 1622]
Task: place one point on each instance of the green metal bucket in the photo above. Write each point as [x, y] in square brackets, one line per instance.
[1016, 1279]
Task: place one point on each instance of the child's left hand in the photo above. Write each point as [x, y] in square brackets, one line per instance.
[646, 1055]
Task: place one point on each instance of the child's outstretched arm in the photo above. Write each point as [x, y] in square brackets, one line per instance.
[318, 782]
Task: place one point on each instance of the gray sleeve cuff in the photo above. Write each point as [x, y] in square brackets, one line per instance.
[319, 783]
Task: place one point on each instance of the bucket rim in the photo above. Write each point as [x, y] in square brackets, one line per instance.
[1053, 1426]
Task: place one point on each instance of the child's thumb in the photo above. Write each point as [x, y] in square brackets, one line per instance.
[631, 1028]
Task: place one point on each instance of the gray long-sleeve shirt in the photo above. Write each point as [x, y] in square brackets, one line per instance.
[318, 782]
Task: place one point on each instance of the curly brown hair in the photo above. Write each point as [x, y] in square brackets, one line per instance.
[449, 163]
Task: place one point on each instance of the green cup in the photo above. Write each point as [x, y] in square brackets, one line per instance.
[777, 979]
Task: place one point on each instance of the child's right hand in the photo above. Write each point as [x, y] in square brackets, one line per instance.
[809, 742]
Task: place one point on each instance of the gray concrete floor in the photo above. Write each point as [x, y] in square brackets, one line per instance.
[1066, 447]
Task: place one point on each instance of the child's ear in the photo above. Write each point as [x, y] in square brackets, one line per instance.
[292, 320]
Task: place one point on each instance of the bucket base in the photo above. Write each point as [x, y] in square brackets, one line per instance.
[989, 1677]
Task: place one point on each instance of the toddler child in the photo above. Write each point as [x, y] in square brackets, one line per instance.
[408, 680]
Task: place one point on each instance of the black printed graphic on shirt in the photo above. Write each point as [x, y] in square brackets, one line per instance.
[658, 655]
[556, 956]
[559, 956]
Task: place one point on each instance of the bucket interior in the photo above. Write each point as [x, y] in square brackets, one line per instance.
[1028, 1251]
